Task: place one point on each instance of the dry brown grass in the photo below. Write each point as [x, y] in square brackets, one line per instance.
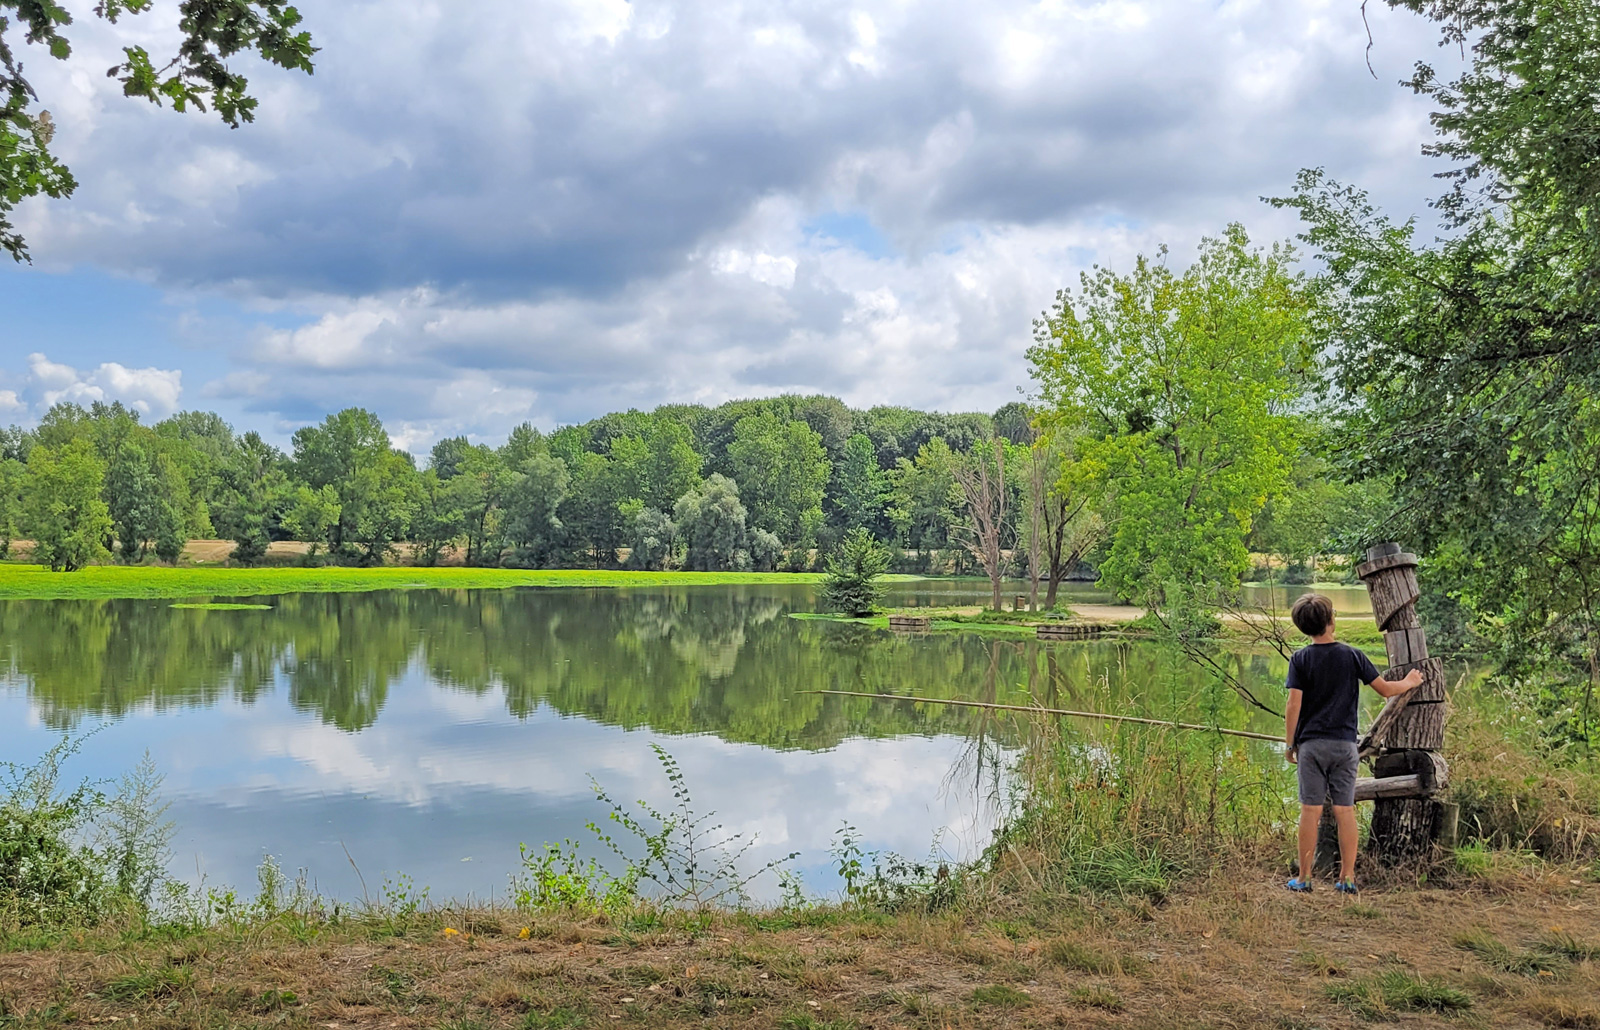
[1235, 952]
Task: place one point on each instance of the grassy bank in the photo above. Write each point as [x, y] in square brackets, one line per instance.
[111, 581]
[1234, 951]
[1140, 886]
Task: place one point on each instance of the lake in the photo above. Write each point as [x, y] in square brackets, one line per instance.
[430, 732]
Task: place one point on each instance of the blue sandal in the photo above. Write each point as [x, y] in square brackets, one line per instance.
[1347, 887]
[1298, 885]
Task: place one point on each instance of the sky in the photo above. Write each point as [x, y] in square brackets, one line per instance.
[475, 215]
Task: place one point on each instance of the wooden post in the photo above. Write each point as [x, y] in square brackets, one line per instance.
[1405, 738]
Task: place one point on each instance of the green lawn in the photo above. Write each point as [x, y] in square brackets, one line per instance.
[107, 581]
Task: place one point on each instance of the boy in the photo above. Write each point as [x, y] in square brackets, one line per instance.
[1320, 731]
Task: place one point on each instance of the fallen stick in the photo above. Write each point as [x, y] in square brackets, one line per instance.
[1050, 711]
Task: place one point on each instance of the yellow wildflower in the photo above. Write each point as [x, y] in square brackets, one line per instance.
[524, 933]
[451, 931]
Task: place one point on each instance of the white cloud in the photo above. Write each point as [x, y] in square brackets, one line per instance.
[150, 391]
[591, 205]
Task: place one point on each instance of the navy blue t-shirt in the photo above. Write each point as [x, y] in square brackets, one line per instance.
[1329, 678]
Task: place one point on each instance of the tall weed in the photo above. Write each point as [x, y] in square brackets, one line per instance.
[73, 855]
[1124, 810]
[686, 859]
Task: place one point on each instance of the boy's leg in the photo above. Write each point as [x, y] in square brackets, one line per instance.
[1310, 816]
[1342, 764]
[1345, 816]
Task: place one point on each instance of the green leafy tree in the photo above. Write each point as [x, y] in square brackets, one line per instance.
[481, 488]
[309, 515]
[63, 510]
[851, 582]
[860, 487]
[924, 500]
[199, 75]
[350, 452]
[652, 537]
[255, 491]
[11, 471]
[674, 465]
[1186, 381]
[533, 526]
[385, 496]
[440, 519]
[1465, 370]
[147, 500]
[591, 510]
[713, 524]
[781, 469]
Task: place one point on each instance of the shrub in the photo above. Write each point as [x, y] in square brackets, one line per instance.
[77, 854]
[851, 583]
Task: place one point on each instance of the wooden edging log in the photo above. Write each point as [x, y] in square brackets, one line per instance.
[1070, 631]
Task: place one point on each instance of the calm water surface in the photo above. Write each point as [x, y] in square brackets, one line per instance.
[429, 732]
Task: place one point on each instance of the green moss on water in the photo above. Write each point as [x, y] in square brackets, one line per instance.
[35, 582]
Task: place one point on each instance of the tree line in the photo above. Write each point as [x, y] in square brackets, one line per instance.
[745, 485]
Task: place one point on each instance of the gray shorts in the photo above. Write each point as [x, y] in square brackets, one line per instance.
[1327, 771]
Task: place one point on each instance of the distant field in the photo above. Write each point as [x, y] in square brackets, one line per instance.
[109, 581]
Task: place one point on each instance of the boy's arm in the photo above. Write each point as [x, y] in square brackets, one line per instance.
[1291, 720]
[1389, 688]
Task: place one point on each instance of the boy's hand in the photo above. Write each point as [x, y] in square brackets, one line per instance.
[1291, 754]
[1413, 679]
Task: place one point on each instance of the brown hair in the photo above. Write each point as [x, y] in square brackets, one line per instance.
[1311, 613]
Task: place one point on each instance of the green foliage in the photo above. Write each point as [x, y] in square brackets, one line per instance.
[11, 471]
[252, 490]
[888, 882]
[62, 508]
[1465, 372]
[556, 877]
[75, 854]
[653, 539]
[1127, 811]
[782, 470]
[375, 487]
[311, 514]
[860, 486]
[711, 521]
[923, 497]
[850, 584]
[532, 525]
[1183, 381]
[199, 74]
[574, 497]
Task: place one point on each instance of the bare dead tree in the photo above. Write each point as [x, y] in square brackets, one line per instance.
[982, 480]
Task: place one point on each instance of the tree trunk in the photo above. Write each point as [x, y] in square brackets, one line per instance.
[1404, 828]
[1327, 856]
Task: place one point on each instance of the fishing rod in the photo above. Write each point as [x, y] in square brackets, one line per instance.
[1051, 711]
